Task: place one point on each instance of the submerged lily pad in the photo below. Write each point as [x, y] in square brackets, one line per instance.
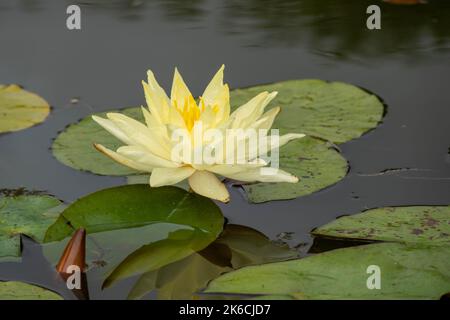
[418, 224]
[237, 246]
[316, 164]
[14, 290]
[407, 272]
[30, 215]
[75, 146]
[183, 222]
[20, 109]
[334, 111]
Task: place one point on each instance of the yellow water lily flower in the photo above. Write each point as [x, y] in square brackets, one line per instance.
[150, 147]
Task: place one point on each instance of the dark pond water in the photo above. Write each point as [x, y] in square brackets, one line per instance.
[405, 161]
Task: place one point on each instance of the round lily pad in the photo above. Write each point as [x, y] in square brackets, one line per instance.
[407, 272]
[416, 224]
[20, 109]
[75, 146]
[161, 225]
[334, 111]
[30, 215]
[316, 163]
[14, 290]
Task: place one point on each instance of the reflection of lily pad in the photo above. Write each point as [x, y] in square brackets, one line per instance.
[313, 161]
[407, 272]
[185, 221]
[30, 215]
[420, 224]
[333, 111]
[14, 290]
[20, 109]
[74, 146]
[236, 247]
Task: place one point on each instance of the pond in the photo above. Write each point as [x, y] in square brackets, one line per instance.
[404, 161]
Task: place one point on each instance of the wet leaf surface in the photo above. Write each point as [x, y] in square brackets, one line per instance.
[334, 111]
[417, 224]
[317, 165]
[29, 215]
[14, 290]
[137, 229]
[407, 272]
[20, 109]
[74, 146]
[237, 246]
[138, 205]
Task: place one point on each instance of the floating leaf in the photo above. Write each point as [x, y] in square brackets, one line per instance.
[14, 290]
[187, 221]
[30, 215]
[418, 224]
[236, 247]
[333, 111]
[74, 146]
[313, 161]
[133, 206]
[20, 109]
[407, 272]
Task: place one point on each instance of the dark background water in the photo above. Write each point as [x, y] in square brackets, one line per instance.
[406, 64]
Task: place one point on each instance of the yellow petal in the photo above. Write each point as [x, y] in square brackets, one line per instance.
[168, 176]
[180, 92]
[155, 87]
[144, 157]
[141, 135]
[208, 185]
[253, 175]
[112, 128]
[245, 115]
[226, 169]
[122, 159]
[288, 137]
[214, 88]
[154, 103]
[266, 120]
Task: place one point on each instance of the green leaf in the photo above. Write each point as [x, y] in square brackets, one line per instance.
[14, 290]
[418, 224]
[30, 215]
[181, 223]
[314, 162]
[133, 206]
[333, 111]
[237, 246]
[407, 272]
[74, 146]
[20, 109]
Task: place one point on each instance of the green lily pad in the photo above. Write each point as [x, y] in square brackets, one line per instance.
[20, 109]
[418, 224]
[30, 215]
[75, 146]
[334, 111]
[187, 221]
[132, 206]
[407, 272]
[14, 290]
[236, 247]
[317, 164]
